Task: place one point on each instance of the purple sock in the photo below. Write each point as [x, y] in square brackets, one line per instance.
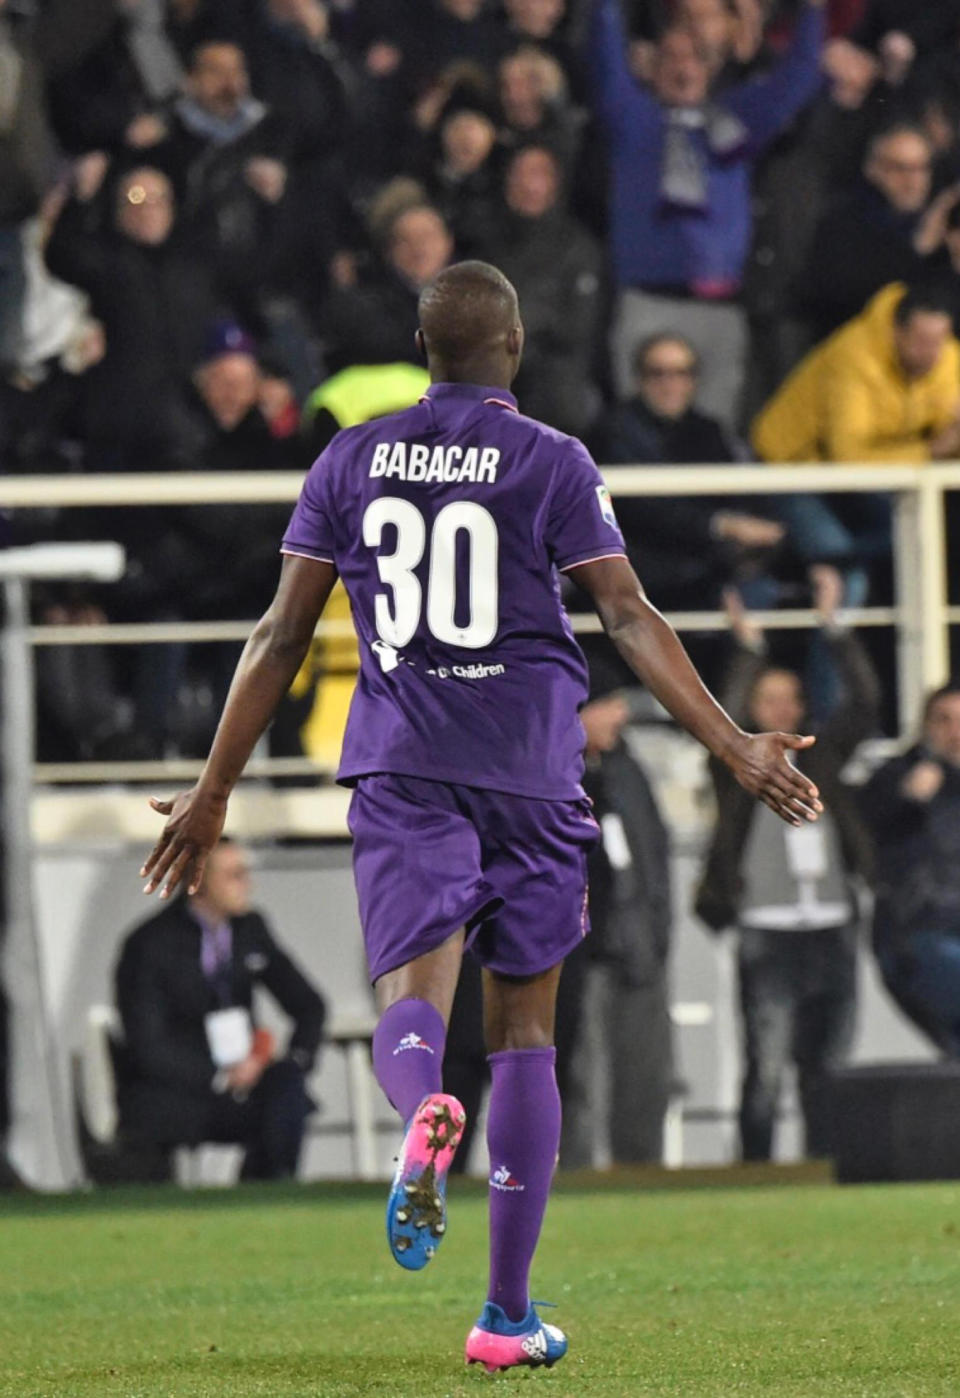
[408, 1046]
[523, 1135]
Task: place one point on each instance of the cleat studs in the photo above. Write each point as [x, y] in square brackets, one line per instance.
[401, 1244]
[403, 1215]
[410, 1188]
[440, 1229]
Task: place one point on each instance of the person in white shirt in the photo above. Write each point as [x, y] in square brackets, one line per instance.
[791, 893]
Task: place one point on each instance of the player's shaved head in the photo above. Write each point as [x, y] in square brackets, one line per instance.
[470, 327]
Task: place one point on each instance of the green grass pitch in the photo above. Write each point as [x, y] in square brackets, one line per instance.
[789, 1290]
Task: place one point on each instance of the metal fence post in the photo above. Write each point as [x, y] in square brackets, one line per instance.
[38, 1116]
[923, 643]
[41, 1142]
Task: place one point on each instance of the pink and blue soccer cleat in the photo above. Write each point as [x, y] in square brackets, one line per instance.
[499, 1343]
[416, 1208]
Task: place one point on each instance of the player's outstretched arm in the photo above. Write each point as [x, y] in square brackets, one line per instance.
[652, 649]
[266, 669]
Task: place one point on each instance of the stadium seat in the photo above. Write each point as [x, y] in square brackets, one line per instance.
[684, 1014]
[107, 1157]
[97, 1076]
[211, 1164]
[110, 1159]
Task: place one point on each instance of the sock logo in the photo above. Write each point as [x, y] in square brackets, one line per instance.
[503, 1180]
[412, 1041]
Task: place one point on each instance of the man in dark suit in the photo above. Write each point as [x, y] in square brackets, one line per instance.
[180, 979]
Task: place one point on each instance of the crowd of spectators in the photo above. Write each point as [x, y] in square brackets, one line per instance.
[734, 227]
[216, 217]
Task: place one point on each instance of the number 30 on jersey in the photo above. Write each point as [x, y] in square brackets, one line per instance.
[398, 616]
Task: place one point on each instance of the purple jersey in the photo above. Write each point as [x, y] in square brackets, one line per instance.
[448, 524]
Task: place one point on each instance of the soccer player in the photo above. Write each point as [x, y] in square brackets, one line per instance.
[448, 524]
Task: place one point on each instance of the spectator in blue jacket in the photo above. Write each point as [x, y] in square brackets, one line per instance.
[680, 169]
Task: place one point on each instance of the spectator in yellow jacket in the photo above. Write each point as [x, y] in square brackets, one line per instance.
[884, 388]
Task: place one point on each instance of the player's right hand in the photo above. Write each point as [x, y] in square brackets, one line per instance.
[194, 825]
[760, 764]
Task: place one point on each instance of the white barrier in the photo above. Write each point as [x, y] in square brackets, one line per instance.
[921, 615]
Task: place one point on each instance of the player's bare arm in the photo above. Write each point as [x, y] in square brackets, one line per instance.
[270, 660]
[652, 649]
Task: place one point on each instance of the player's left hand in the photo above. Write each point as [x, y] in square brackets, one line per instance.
[759, 763]
[194, 824]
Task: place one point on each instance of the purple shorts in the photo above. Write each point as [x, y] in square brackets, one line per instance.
[429, 858]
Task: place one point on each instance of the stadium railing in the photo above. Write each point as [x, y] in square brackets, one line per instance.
[921, 615]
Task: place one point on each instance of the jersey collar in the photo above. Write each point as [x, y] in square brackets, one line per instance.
[473, 392]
